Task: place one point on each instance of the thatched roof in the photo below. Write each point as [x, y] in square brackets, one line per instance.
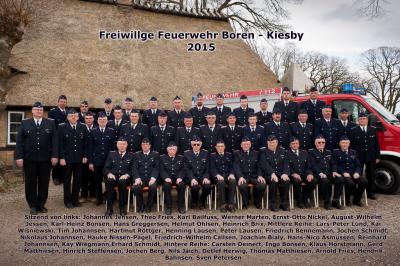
[62, 54]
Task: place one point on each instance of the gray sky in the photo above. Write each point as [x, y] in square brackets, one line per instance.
[335, 28]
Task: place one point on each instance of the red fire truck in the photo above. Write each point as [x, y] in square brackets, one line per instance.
[388, 170]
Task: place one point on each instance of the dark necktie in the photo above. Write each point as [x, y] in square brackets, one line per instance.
[233, 129]
[102, 130]
[117, 123]
[63, 111]
[37, 123]
[211, 128]
[286, 104]
[162, 129]
[121, 154]
[253, 129]
[264, 114]
[219, 109]
[73, 128]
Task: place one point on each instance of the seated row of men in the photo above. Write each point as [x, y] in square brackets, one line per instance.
[271, 165]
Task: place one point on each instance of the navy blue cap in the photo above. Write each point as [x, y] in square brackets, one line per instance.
[196, 138]
[72, 111]
[246, 139]
[293, 139]
[101, 114]
[231, 114]
[362, 115]
[37, 105]
[243, 97]
[344, 110]
[327, 106]
[320, 137]
[177, 98]
[312, 89]
[271, 138]
[199, 94]
[276, 111]
[344, 137]
[89, 113]
[153, 98]
[172, 144]
[303, 111]
[210, 113]
[108, 101]
[286, 89]
[128, 99]
[220, 141]
[117, 107]
[188, 115]
[145, 140]
[219, 95]
[162, 114]
[263, 100]
[122, 139]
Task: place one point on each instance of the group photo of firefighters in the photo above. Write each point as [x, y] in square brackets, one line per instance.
[230, 158]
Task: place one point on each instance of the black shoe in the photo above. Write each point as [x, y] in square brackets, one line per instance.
[307, 205]
[108, 213]
[231, 208]
[284, 208]
[224, 208]
[245, 206]
[273, 208]
[43, 209]
[194, 205]
[182, 210]
[168, 211]
[69, 205]
[141, 209]
[122, 211]
[328, 205]
[258, 206]
[77, 204]
[337, 205]
[33, 211]
[147, 209]
[56, 182]
[358, 203]
[99, 202]
[300, 205]
[372, 196]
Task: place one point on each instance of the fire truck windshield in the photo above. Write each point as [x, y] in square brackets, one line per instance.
[385, 113]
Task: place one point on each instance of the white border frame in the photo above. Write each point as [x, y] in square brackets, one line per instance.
[8, 125]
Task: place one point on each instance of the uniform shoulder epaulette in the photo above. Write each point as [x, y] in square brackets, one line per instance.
[156, 152]
[187, 151]
[261, 126]
[137, 152]
[263, 148]
[113, 152]
[54, 108]
[336, 150]
[110, 128]
[241, 126]
[223, 126]
[213, 153]
[227, 152]
[61, 124]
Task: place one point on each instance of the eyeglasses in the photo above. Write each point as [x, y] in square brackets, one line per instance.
[84, 106]
[321, 142]
[196, 144]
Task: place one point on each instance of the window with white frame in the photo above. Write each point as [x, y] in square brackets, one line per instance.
[14, 122]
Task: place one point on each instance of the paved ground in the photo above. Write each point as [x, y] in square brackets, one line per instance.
[13, 208]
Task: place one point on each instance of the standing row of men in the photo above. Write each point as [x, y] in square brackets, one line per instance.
[82, 148]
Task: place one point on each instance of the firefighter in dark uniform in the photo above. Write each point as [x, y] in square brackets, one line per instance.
[172, 174]
[303, 131]
[322, 165]
[197, 172]
[313, 106]
[88, 187]
[176, 116]
[328, 127]
[128, 108]
[161, 134]
[134, 132]
[116, 123]
[101, 142]
[221, 110]
[36, 151]
[59, 115]
[199, 112]
[246, 171]
[145, 171]
[364, 140]
[150, 115]
[279, 129]
[83, 108]
[254, 132]
[184, 135]
[345, 125]
[210, 133]
[300, 173]
[231, 134]
[73, 141]
[288, 108]
[346, 164]
[221, 169]
[275, 169]
[243, 111]
[263, 116]
[117, 172]
[108, 109]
